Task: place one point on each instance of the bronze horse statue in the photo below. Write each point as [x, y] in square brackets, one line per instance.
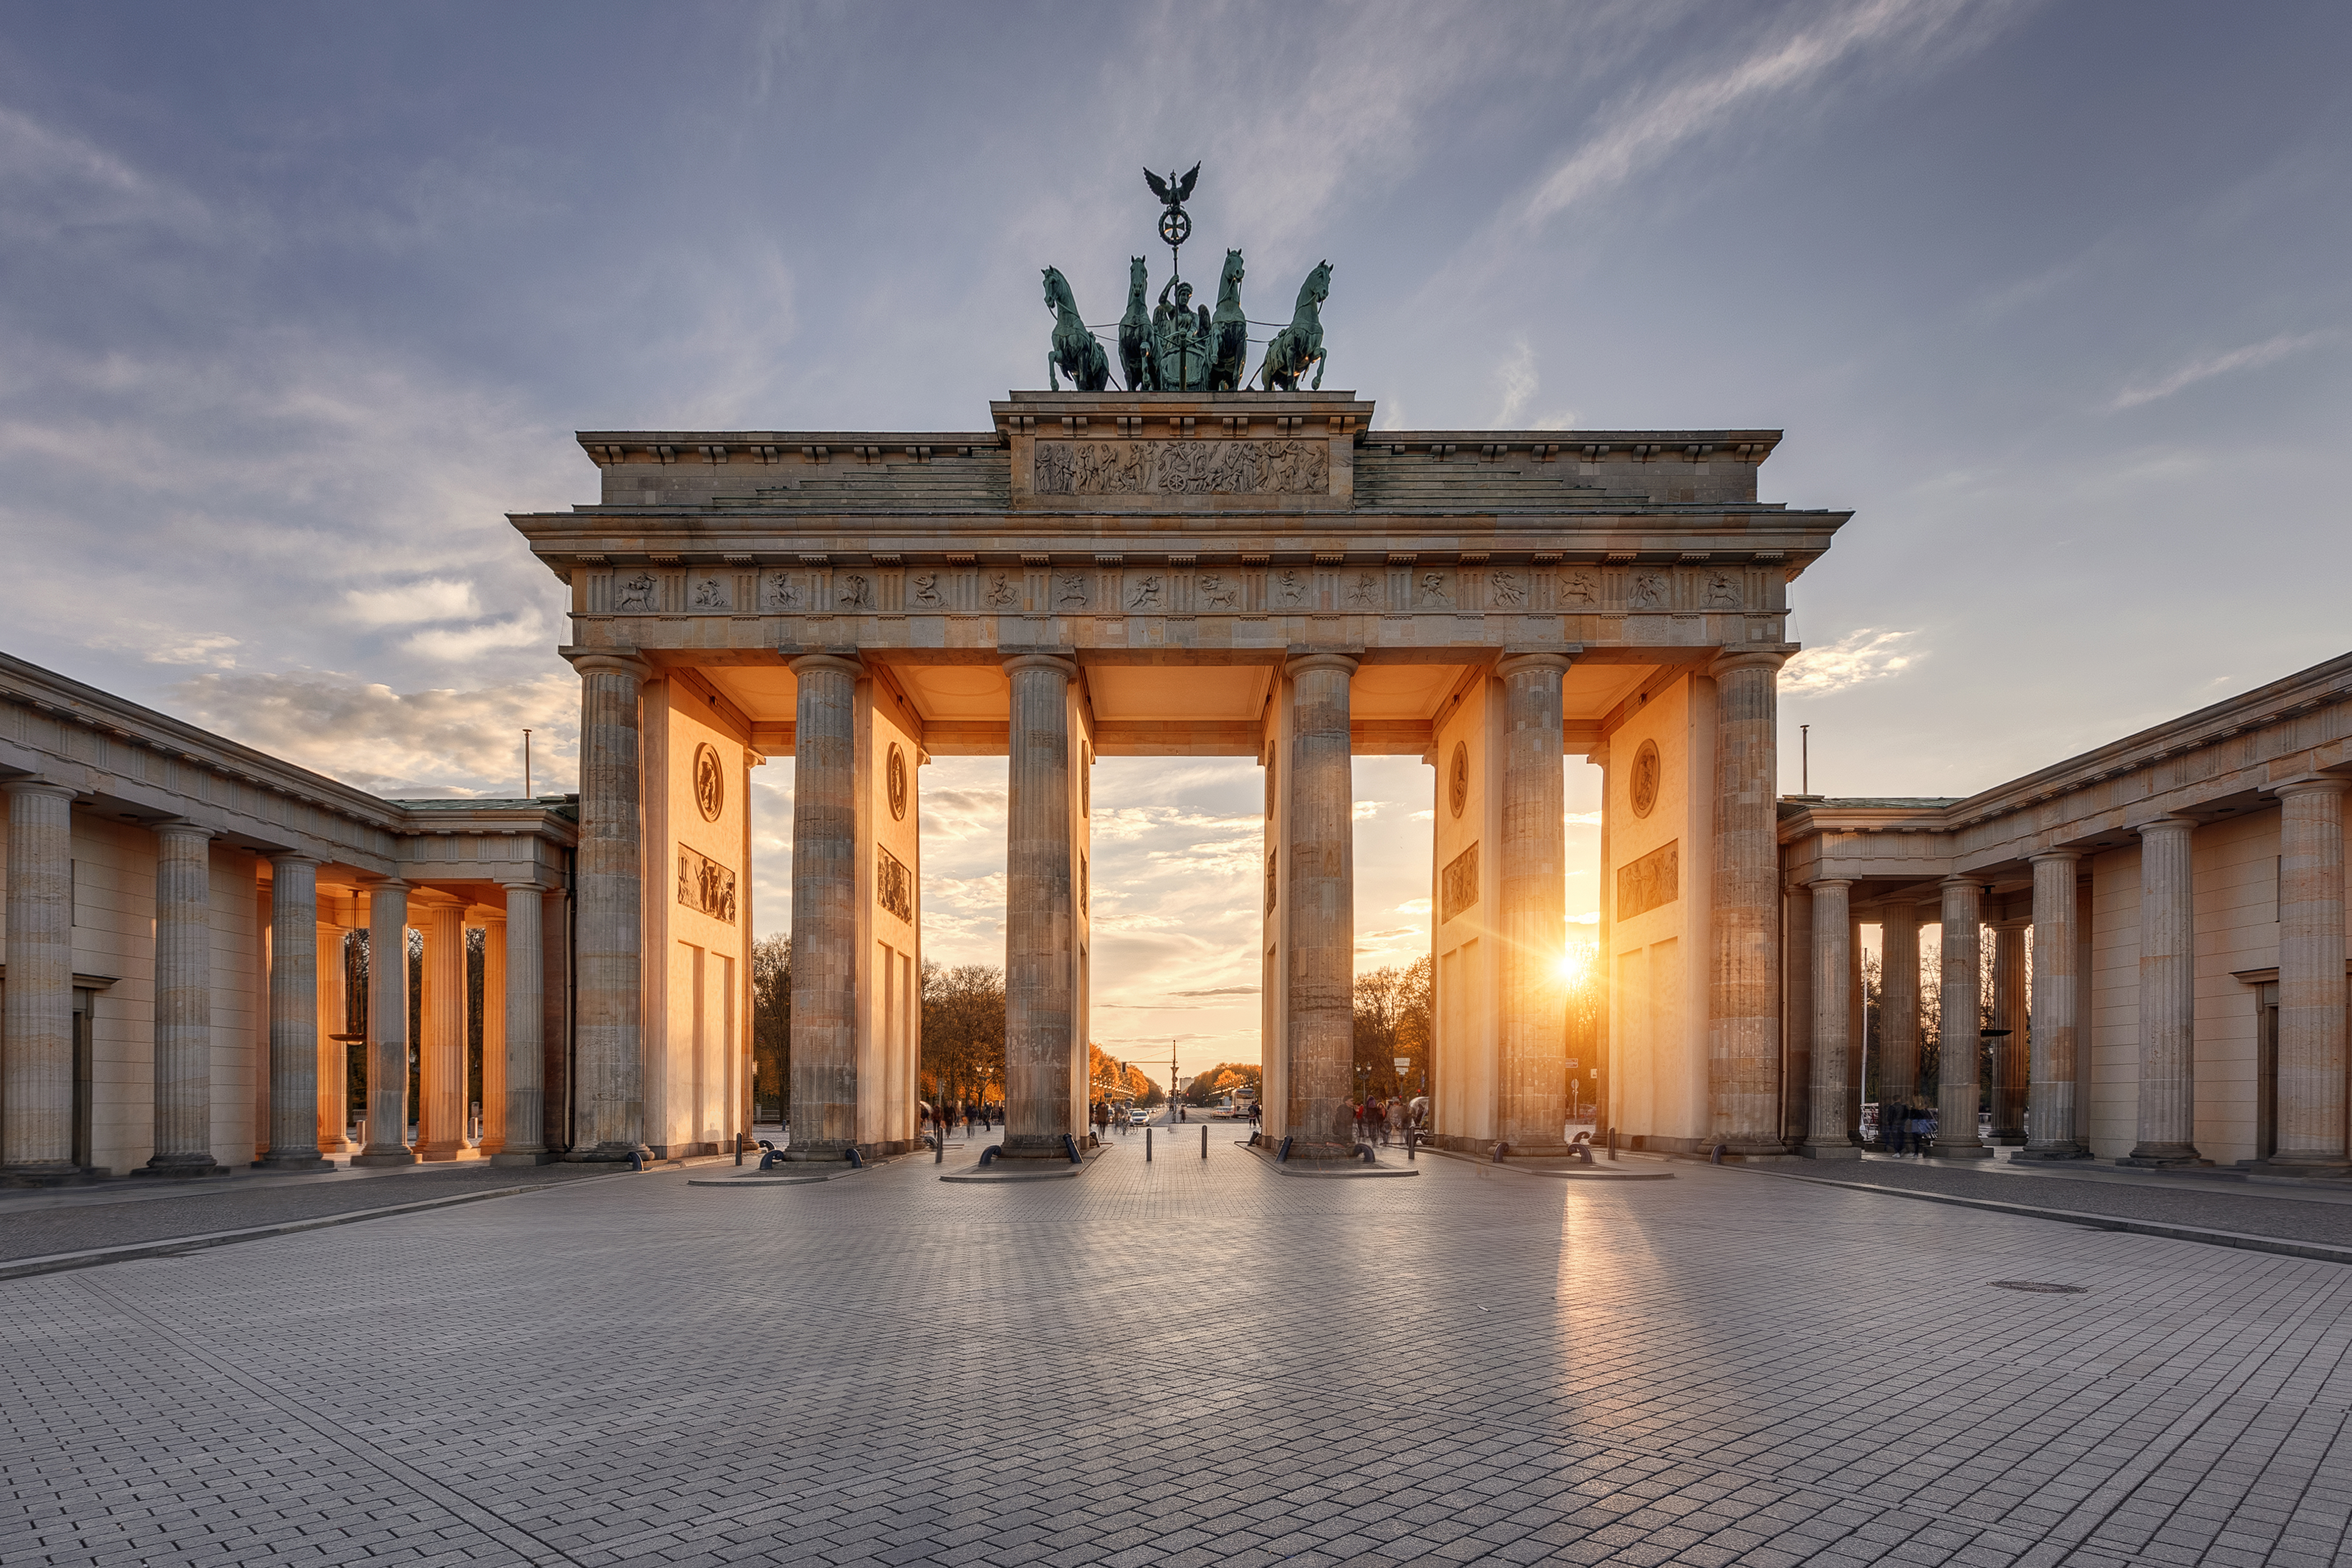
[1074, 350]
[1300, 344]
[1229, 330]
[1137, 355]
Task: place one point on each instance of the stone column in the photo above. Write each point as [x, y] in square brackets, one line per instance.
[441, 1053]
[334, 1012]
[183, 1004]
[2052, 1130]
[2311, 1035]
[1532, 1109]
[610, 1096]
[824, 908]
[2167, 996]
[36, 1107]
[293, 1015]
[525, 1003]
[1797, 1016]
[1743, 998]
[1604, 1113]
[1899, 1006]
[1959, 1083]
[1319, 980]
[1825, 1135]
[386, 1134]
[494, 1035]
[1041, 1098]
[1857, 1012]
[2010, 1064]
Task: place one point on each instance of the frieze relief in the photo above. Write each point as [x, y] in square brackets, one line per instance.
[1182, 468]
[705, 885]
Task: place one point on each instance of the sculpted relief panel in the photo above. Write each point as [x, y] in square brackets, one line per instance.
[1182, 468]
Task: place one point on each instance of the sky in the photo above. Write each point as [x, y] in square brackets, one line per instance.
[300, 301]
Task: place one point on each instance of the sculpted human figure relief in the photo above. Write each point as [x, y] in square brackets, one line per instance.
[856, 592]
[1367, 590]
[1507, 588]
[1649, 592]
[927, 589]
[1432, 588]
[1583, 588]
[710, 594]
[1215, 593]
[635, 594]
[1001, 591]
[1070, 593]
[783, 594]
[1289, 589]
[1146, 595]
[1723, 591]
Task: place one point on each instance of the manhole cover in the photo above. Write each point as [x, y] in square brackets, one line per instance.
[2039, 1287]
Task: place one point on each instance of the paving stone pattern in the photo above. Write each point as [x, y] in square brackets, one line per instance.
[2217, 1206]
[1179, 1363]
[232, 1204]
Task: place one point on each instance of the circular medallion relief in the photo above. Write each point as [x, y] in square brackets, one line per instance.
[895, 779]
[710, 781]
[1457, 778]
[1643, 786]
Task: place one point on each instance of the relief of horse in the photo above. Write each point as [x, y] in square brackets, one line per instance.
[1074, 350]
[1137, 355]
[1229, 330]
[1299, 344]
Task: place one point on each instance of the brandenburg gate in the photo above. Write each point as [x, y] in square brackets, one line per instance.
[1259, 574]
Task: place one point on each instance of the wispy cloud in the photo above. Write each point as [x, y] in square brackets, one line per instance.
[1869, 654]
[2251, 357]
[434, 599]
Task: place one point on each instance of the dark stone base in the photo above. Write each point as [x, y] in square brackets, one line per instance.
[520, 1157]
[609, 1155]
[1939, 1150]
[2030, 1154]
[293, 1163]
[2299, 1171]
[53, 1176]
[1828, 1152]
[2009, 1140]
[190, 1171]
[382, 1157]
[2160, 1157]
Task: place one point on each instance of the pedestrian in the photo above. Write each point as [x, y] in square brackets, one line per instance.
[1359, 1123]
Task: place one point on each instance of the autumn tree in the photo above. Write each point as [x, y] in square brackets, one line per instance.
[771, 1026]
[963, 1032]
[1392, 1020]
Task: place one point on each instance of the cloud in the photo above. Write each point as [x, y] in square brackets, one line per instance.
[1590, 918]
[1869, 654]
[1517, 374]
[433, 599]
[1413, 907]
[1582, 819]
[1647, 127]
[414, 744]
[1366, 809]
[2251, 357]
[195, 647]
[464, 643]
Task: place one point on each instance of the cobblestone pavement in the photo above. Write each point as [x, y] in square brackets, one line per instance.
[2215, 1204]
[36, 1223]
[1475, 1366]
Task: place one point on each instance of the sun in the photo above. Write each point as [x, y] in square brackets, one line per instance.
[1574, 964]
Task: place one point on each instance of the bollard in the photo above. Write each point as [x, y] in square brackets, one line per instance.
[1612, 1141]
[636, 1161]
[940, 1147]
[1715, 1155]
[739, 1148]
[1501, 1149]
[1070, 1145]
[1282, 1155]
[851, 1154]
[1147, 1145]
[1409, 1138]
[991, 1153]
[1204, 1140]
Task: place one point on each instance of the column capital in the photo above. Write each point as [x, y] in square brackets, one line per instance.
[826, 664]
[1962, 879]
[1748, 656]
[2318, 783]
[35, 785]
[1514, 663]
[1014, 663]
[2055, 857]
[373, 883]
[524, 887]
[1301, 664]
[294, 858]
[2168, 824]
[1819, 882]
[181, 828]
[608, 661]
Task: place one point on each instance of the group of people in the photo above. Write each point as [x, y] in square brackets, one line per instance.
[944, 1118]
[1379, 1121]
[1905, 1123]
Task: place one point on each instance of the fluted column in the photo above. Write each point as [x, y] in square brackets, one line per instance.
[1319, 978]
[36, 1037]
[386, 1134]
[2311, 1034]
[441, 1052]
[1833, 956]
[610, 1097]
[1532, 1113]
[2167, 996]
[293, 1014]
[1043, 1096]
[2053, 1132]
[2010, 1062]
[1796, 978]
[1899, 1006]
[1959, 1083]
[334, 1012]
[1857, 1012]
[183, 1004]
[524, 1002]
[825, 906]
[1743, 998]
[494, 1035]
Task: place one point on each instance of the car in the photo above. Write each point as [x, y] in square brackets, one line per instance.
[1138, 1116]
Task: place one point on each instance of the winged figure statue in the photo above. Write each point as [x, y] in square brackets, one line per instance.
[1171, 191]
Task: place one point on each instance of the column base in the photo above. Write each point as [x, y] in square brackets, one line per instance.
[50, 1173]
[1972, 1149]
[1828, 1152]
[612, 1153]
[523, 1157]
[441, 1150]
[2033, 1152]
[2163, 1157]
[183, 1169]
[2301, 1170]
[379, 1156]
[298, 1161]
[2009, 1140]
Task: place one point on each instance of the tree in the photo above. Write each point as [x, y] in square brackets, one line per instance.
[1392, 1020]
[771, 1028]
[963, 1032]
[1224, 1078]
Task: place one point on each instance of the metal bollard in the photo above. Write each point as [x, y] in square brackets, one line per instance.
[1409, 1140]
[1612, 1141]
[853, 1157]
[939, 1147]
[1715, 1156]
[1147, 1145]
[1204, 1140]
